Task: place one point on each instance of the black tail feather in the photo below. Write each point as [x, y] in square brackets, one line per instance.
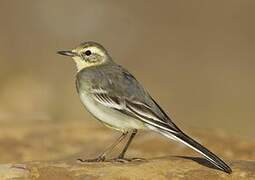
[202, 150]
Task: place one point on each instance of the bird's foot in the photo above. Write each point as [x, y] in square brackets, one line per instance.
[125, 160]
[98, 159]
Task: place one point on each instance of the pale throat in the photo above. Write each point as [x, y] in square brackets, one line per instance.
[81, 64]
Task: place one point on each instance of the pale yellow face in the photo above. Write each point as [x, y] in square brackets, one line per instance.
[88, 54]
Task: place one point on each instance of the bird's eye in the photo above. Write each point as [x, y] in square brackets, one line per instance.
[88, 52]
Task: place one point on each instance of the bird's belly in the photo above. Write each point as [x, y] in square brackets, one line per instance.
[110, 117]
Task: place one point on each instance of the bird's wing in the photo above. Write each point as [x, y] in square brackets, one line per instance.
[137, 110]
[126, 95]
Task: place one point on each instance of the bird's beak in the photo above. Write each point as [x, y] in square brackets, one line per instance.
[67, 53]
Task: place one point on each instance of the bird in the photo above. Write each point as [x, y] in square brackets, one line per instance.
[119, 101]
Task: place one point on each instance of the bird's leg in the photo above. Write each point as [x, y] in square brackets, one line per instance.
[121, 157]
[122, 154]
[101, 157]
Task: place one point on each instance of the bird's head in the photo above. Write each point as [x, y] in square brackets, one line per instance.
[88, 54]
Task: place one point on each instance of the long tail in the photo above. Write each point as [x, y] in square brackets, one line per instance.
[185, 139]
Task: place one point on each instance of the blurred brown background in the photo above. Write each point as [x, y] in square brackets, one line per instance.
[196, 58]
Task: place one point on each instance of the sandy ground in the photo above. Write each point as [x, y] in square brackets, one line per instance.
[47, 150]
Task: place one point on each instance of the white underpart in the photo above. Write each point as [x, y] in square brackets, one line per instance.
[110, 116]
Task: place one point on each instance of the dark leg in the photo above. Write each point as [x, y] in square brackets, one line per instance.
[121, 157]
[101, 157]
[122, 154]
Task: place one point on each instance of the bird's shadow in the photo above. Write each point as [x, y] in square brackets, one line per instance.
[198, 160]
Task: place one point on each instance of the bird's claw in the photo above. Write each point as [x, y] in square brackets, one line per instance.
[125, 160]
[98, 159]
[118, 159]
